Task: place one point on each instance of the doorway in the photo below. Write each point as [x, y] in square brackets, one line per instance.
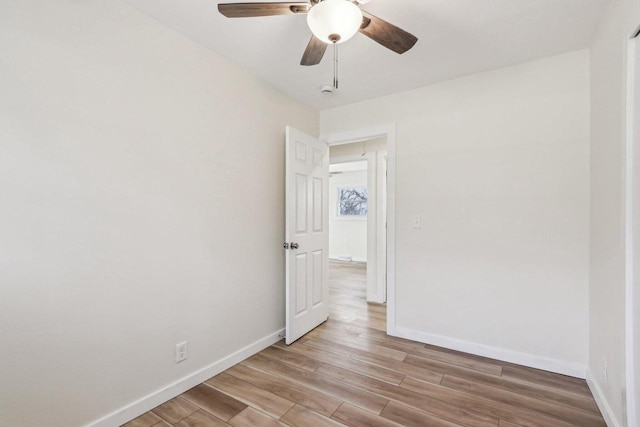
[377, 148]
[360, 167]
[348, 210]
[357, 231]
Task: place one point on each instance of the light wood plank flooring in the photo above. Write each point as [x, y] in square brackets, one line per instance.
[348, 372]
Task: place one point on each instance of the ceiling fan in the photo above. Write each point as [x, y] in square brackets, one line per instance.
[330, 21]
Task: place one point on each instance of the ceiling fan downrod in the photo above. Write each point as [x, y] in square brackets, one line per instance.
[335, 38]
[335, 65]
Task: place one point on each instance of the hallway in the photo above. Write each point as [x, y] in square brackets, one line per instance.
[348, 296]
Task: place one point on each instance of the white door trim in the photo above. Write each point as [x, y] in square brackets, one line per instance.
[632, 222]
[389, 132]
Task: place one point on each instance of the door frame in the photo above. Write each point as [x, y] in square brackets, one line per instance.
[389, 132]
[632, 229]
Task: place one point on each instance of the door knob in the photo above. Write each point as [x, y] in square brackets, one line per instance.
[294, 245]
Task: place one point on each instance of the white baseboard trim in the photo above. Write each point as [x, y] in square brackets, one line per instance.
[150, 401]
[601, 401]
[516, 357]
[351, 259]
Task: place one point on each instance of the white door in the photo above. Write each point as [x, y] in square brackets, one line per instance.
[306, 233]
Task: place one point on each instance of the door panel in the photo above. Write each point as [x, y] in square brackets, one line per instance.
[307, 175]
[318, 258]
[300, 291]
[318, 212]
[301, 203]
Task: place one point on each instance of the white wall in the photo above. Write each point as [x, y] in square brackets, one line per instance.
[607, 292]
[497, 166]
[347, 236]
[140, 174]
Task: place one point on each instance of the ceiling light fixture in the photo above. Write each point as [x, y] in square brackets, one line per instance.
[334, 21]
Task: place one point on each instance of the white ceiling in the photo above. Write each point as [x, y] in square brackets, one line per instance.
[455, 38]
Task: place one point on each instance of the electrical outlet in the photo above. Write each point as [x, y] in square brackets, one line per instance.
[604, 370]
[181, 351]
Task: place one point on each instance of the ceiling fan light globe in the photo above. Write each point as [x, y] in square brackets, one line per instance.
[331, 18]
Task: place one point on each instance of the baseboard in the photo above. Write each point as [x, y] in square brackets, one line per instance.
[170, 391]
[601, 401]
[525, 359]
[350, 259]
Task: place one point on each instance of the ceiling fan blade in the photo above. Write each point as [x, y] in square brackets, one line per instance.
[314, 52]
[246, 10]
[388, 35]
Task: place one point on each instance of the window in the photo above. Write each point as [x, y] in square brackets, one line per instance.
[352, 202]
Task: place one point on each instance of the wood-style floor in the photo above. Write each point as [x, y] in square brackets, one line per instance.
[349, 372]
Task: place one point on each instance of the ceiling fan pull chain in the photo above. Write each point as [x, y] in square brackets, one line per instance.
[335, 65]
